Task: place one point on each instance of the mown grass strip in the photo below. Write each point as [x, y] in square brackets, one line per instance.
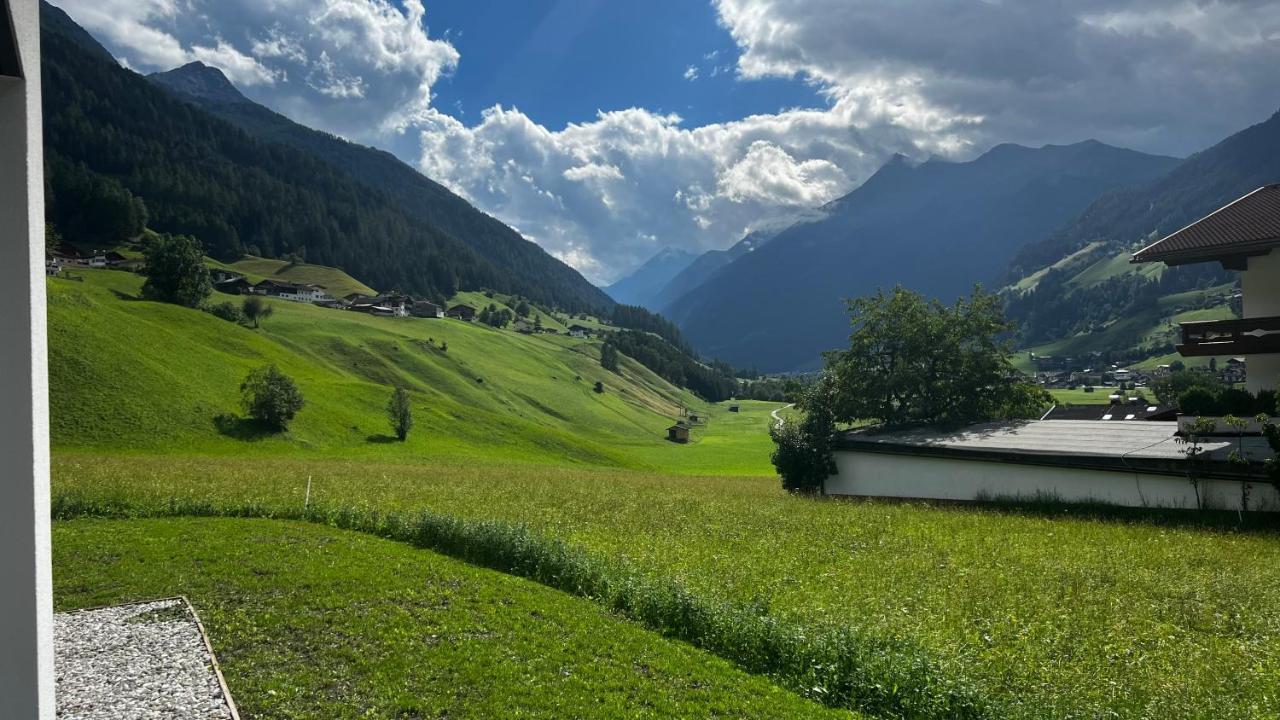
[841, 668]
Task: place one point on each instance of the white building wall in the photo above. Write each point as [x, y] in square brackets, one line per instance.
[26, 593]
[1260, 285]
[915, 476]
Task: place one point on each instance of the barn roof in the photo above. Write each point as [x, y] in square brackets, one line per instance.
[1247, 226]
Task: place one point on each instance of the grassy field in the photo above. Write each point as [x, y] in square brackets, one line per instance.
[1042, 615]
[136, 376]
[1049, 616]
[312, 622]
[337, 282]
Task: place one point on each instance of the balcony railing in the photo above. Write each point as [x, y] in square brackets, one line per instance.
[1250, 336]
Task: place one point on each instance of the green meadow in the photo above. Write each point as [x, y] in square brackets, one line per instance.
[707, 592]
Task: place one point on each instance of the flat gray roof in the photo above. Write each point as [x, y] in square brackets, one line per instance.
[1150, 445]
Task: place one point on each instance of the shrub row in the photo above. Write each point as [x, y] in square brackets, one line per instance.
[843, 668]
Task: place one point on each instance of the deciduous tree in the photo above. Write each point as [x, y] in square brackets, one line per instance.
[271, 397]
[400, 413]
[175, 271]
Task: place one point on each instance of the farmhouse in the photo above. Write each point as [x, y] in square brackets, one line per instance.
[1242, 236]
[291, 291]
[1131, 464]
[426, 309]
[233, 286]
[462, 312]
[579, 331]
[678, 433]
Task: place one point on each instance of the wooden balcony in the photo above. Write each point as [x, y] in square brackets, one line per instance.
[1250, 336]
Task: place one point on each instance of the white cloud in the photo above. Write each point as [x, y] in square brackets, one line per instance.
[360, 68]
[241, 69]
[1160, 75]
[606, 194]
[691, 73]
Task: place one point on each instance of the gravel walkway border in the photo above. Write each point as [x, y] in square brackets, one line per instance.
[93, 673]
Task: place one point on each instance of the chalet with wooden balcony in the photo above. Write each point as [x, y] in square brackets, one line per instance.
[1243, 236]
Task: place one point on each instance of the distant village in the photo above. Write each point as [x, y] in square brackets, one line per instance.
[1066, 373]
[233, 283]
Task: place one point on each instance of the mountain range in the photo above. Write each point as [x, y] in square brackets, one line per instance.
[938, 227]
[642, 285]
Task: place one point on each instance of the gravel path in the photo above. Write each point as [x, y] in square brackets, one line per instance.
[147, 660]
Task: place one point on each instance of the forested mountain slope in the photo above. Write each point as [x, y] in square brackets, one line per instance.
[1077, 284]
[529, 269]
[123, 153]
[939, 228]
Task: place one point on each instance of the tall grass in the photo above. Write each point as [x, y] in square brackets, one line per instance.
[841, 667]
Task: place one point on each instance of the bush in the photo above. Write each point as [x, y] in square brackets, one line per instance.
[1198, 400]
[227, 311]
[803, 450]
[271, 397]
[599, 387]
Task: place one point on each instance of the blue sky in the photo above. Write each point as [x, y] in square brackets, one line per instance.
[559, 61]
[607, 130]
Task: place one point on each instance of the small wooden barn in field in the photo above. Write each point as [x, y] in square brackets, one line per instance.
[678, 433]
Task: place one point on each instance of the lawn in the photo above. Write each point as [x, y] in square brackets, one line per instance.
[312, 622]
[1046, 616]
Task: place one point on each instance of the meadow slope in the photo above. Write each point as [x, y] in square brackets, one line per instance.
[143, 377]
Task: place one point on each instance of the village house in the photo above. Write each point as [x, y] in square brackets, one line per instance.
[219, 275]
[232, 284]
[391, 305]
[1241, 236]
[426, 309]
[462, 312]
[1143, 463]
[292, 291]
[579, 331]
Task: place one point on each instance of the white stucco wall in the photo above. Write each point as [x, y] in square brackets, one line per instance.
[26, 597]
[913, 476]
[1260, 285]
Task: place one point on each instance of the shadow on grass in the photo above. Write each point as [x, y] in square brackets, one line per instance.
[382, 439]
[127, 296]
[234, 426]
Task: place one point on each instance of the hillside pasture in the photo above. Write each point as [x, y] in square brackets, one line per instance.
[337, 282]
[150, 377]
